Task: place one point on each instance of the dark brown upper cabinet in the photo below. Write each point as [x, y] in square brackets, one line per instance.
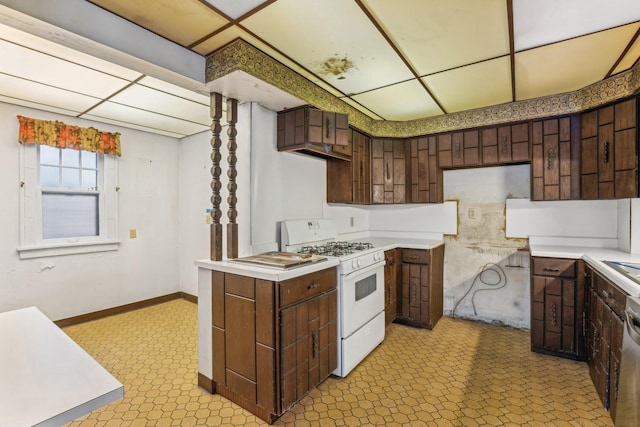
[350, 182]
[609, 151]
[555, 159]
[316, 132]
[459, 149]
[388, 171]
[505, 144]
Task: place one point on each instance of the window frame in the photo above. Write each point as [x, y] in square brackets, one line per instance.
[32, 245]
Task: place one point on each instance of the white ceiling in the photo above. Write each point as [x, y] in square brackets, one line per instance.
[392, 60]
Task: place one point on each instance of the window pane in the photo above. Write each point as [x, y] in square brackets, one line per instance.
[89, 180]
[71, 158]
[69, 215]
[70, 178]
[49, 155]
[89, 160]
[49, 176]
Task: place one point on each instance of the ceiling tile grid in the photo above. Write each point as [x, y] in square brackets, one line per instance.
[400, 60]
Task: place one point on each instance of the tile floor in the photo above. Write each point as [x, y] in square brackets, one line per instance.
[460, 374]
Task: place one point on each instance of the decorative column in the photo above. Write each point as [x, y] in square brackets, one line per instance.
[216, 171]
[232, 227]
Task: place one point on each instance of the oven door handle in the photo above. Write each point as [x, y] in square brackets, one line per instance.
[366, 270]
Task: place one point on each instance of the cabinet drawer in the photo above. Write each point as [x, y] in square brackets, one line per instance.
[613, 296]
[554, 267]
[301, 288]
[415, 256]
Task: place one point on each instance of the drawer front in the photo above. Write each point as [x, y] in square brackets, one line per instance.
[301, 288]
[613, 296]
[415, 256]
[554, 267]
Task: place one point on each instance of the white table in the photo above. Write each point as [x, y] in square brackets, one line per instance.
[46, 379]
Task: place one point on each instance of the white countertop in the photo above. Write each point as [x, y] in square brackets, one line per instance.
[386, 243]
[273, 274]
[595, 257]
[46, 379]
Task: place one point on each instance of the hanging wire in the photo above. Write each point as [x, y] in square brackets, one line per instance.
[481, 278]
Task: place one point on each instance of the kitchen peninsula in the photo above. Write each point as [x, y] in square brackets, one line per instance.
[266, 336]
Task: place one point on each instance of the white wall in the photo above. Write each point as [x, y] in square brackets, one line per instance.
[142, 268]
[195, 196]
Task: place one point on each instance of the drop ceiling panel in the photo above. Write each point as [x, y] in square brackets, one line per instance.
[569, 65]
[630, 58]
[148, 99]
[174, 90]
[44, 95]
[474, 86]
[333, 39]
[541, 22]
[362, 108]
[436, 35]
[35, 105]
[32, 65]
[403, 101]
[128, 124]
[184, 21]
[125, 114]
[32, 42]
[235, 8]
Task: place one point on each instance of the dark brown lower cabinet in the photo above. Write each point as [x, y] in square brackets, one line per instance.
[421, 286]
[390, 285]
[272, 341]
[557, 307]
[604, 337]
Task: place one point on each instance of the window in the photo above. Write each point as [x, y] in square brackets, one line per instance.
[68, 202]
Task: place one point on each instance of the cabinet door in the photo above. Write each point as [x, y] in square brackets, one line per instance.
[609, 151]
[388, 171]
[308, 343]
[617, 331]
[418, 151]
[377, 171]
[554, 159]
[390, 285]
[361, 168]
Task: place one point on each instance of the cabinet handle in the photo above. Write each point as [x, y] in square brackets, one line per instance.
[584, 324]
[313, 285]
[329, 127]
[423, 173]
[554, 314]
[361, 168]
[551, 157]
[458, 150]
[616, 373]
[314, 343]
[504, 144]
[414, 256]
[414, 292]
[553, 269]
[605, 152]
[388, 172]
[606, 295]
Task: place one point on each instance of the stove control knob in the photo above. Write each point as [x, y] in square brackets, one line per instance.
[354, 264]
[358, 263]
[376, 256]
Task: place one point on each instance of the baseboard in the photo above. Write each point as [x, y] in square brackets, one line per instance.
[124, 308]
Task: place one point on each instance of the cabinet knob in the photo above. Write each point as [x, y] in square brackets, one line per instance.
[605, 152]
[551, 156]
[552, 269]
[504, 144]
[329, 127]
[313, 285]
[388, 172]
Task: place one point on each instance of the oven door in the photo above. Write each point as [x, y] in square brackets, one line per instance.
[361, 297]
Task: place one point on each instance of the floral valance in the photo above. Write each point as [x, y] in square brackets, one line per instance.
[61, 135]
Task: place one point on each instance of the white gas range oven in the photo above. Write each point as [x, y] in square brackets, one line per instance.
[360, 285]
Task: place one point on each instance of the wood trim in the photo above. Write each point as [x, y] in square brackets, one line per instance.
[87, 317]
[206, 383]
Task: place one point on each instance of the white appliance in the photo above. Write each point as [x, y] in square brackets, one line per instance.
[360, 286]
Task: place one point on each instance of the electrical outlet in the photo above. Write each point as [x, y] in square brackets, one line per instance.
[351, 221]
[471, 213]
[133, 233]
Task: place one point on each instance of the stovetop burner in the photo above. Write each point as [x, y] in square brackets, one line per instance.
[336, 249]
